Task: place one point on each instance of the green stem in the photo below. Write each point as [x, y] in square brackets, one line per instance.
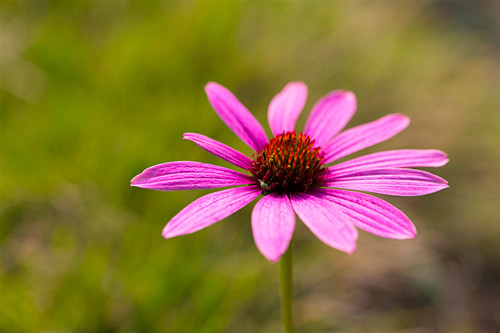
[286, 289]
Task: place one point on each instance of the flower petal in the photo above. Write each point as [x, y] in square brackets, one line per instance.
[286, 106]
[324, 220]
[392, 159]
[363, 136]
[236, 116]
[210, 209]
[402, 182]
[273, 222]
[220, 150]
[330, 115]
[371, 213]
[187, 175]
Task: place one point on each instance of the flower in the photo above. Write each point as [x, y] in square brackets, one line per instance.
[292, 173]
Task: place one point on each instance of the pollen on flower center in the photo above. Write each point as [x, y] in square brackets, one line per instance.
[289, 163]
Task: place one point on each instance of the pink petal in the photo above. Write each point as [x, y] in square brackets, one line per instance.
[363, 136]
[186, 175]
[220, 150]
[209, 209]
[286, 106]
[392, 159]
[273, 222]
[330, 115]
[236, 116]
[325, 221]
[402, 182]
[370, 213]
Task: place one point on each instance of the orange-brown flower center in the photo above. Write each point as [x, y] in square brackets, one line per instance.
[289, 163]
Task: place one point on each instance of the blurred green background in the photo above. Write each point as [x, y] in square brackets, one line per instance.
[93, 92]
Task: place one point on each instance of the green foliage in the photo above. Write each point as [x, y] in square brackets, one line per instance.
[93, 92]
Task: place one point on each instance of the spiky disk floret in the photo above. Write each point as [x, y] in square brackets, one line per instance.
[289, 163]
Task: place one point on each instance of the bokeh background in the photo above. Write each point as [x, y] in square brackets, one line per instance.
[92, 92]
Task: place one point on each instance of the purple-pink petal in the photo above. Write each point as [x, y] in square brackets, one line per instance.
[210, 209]
[392, 159]
[236, 116]
[273, 222]
[325, 221]
[370, 213]
[363, 136]
[330, 115]
[219, 149]
[187, 175]
[286, 106]
[402, 182]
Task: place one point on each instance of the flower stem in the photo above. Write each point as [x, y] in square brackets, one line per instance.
[286, 289]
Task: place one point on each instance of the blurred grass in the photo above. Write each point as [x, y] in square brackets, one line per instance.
[92, 92]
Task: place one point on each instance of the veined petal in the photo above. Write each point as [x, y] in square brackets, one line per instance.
[402, 182]
[370, 213]
[236, 116]
[210, 209]
[286, 106]
[273, 222]
[392, 159]
[325, 221]
[363, 136]
[220, 150]
[187, 175]
[330, 115]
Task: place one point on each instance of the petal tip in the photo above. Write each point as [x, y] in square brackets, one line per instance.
[444, 158]
[167, 233]
[273, 259]
[350, 251]
[272, 256]
[211, 87]
[439, 180]
[411, 232]
[134, 180]
[348, 95]
[442, 153]
[138, 184]
[400, 116]
[211, 84]
[404, 119]
[138, 181]
[347, 248]
[411, 235]
[297, 84]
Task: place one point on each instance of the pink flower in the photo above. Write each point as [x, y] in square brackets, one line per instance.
[292, 172]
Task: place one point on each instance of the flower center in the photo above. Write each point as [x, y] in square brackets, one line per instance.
[289, 163]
